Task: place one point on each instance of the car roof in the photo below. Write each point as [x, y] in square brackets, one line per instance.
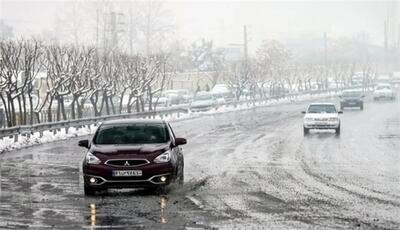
[133, 121]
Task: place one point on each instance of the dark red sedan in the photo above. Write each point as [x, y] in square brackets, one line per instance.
[132, 154]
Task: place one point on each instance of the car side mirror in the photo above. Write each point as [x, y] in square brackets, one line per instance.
[303, 112]
[340, 112]
[84, 143]
[180, 141]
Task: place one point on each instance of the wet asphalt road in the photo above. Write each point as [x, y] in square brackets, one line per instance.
[249, 169]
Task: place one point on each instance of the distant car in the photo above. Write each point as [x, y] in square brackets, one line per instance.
[321, 116]
[185, 95]
[395, 79]
[352, 98]
[221, 91]
[132, 154]
[382, 79]
[174, 97]
[160, 100]
[384, 91]
[203, 101]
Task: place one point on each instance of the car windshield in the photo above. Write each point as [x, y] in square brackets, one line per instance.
[321, 109]
[382, 87]
[351, 94]
[203, 97]
[124, 134]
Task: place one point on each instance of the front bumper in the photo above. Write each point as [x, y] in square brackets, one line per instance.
[351, 103]
[322, 125]
[383, 96]
[151, 176]
[201, 108]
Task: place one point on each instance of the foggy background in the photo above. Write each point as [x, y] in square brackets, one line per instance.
[295, 23]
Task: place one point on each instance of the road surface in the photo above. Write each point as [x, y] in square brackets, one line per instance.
[245, 169]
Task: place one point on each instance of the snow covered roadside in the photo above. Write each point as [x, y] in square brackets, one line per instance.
[8, 144]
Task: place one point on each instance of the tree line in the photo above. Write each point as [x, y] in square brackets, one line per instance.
[52, 82]
[77, 75]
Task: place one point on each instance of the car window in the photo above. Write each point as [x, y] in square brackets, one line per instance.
[321, 109]
[203, 97]
[131, 134]
[383, 87]
[351, 94]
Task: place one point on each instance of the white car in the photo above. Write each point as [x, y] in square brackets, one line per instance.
[321, 116]
[203, 101]
[384, 91]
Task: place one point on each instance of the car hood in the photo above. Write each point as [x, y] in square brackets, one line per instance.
[321, 115]
[129, 151]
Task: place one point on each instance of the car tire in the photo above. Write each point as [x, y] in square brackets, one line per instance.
[337, 130]
[181, 175]
[160, 190]
[89, 191]
[306, 131]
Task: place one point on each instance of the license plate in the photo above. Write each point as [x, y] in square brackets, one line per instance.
[352, 103]
[127, 172]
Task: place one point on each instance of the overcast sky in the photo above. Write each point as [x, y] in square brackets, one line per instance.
[222, 21]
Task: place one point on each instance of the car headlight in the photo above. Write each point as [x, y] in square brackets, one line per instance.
[92, 159]
[163, 158]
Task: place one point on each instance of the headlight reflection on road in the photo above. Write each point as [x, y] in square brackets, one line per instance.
[163, 204]
[92, 216]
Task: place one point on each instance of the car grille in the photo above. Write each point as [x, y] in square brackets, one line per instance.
[127, 162]
[321, 119]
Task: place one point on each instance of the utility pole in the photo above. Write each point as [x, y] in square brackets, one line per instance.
[326, 58]
[245, 43]
[97, 27]
[130, 29]
[385, 45]
[325, 50]
[113, 30]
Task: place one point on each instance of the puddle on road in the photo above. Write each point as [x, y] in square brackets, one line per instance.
[103, 215]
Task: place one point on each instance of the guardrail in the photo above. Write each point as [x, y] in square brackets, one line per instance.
[15, 132]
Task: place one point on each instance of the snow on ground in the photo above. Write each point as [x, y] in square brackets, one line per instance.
[7, 143]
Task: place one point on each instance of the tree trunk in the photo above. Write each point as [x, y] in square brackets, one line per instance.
[12, 112]
[31, 108]
[49, 113]
[6, 111]
[73, 108]
[64, 114]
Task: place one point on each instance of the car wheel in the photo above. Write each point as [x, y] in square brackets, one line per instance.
[89, 191]
[181, 175]
[306, 131]
[160, 190]
[337, 130]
